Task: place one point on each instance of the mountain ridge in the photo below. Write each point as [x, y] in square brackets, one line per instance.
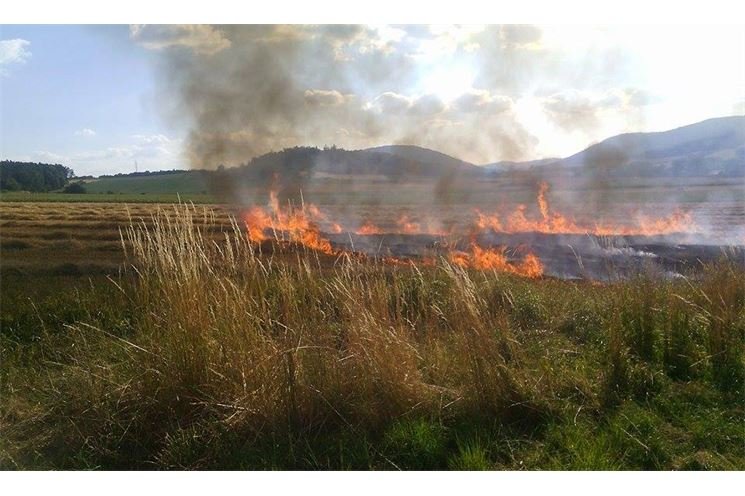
[713, 146]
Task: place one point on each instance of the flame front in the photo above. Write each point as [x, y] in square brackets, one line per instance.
[496, 259]
[368, 229]
[306, 224]
[407, 226]
[557, 223]
[297, 225]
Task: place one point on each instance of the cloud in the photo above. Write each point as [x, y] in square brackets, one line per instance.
[201, 39]
[153, 152]
[472, 100]
[391, 103]
[585, 111]
[482, 101]
[152, 139]
[13, 51]
[639, 98]
[326, 98]
[86, 132]
[520, 35]
[574, 110]
[380, 38]
[739, 108]
[427, 105]
[48, 157]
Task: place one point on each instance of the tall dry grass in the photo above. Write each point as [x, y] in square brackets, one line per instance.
[298, 345]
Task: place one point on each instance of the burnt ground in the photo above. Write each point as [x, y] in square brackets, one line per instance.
[566, 256]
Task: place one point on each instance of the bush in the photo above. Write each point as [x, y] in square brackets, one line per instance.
[74, 188]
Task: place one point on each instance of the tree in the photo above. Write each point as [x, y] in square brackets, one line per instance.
[34, 177]
[12, 185]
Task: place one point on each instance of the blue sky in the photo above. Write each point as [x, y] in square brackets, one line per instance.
[93, 97]
[82, 94]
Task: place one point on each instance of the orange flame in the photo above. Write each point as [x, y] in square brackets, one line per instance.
[300, 225]
[257, 221]
[407, 226]
[557, 223]
[368, 228]
[485, 221]
[495, 259]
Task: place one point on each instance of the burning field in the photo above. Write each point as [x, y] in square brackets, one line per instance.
[523, 241]
[282, 340]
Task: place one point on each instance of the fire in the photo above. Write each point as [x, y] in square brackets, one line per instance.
[299, 225]
[542, 202]
[676, 222]
[557, 223]
[404, 225]
[407, 226]
[257, 221]
[368, 228]
[485, 221]
[306, 224]
[496, 259]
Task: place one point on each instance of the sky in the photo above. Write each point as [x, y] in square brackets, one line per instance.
[101, 99]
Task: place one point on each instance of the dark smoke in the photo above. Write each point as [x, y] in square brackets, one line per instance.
[249, 90]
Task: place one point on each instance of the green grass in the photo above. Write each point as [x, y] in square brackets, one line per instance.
[160, 188]
[205, 355]
[186, 183]
[107, 198]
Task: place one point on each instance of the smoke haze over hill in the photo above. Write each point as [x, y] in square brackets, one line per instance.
[479, 93]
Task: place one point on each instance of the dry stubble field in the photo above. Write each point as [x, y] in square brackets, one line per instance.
[70, 238]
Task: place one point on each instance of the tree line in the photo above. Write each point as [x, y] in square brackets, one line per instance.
[34, 177]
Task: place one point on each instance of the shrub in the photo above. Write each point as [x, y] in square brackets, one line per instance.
[74, 188]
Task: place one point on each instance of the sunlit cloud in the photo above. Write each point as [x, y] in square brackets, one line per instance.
[326, 98]
[199, 38]
[15, 51]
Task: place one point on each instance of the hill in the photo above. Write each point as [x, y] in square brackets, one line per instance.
[391, 162]
[714, 147]
[513, 165]
[423, 155]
